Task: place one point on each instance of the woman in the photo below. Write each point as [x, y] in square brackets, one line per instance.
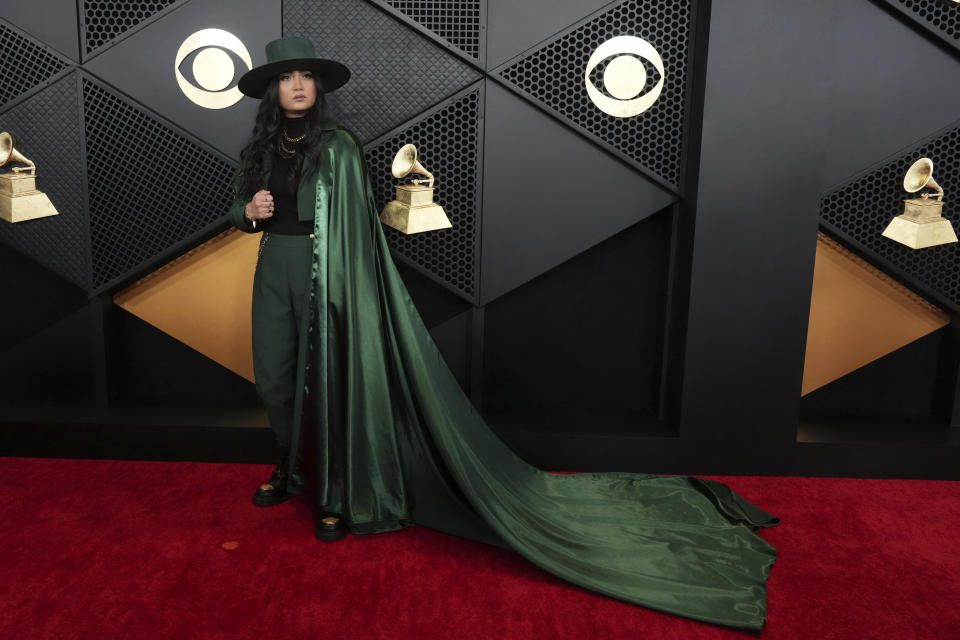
[282, 154]
[395, 440]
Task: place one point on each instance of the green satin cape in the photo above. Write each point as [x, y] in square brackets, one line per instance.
[397, 442]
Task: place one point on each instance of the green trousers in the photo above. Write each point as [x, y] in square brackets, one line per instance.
[281, 289]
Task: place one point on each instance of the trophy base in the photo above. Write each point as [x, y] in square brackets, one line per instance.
[17, 184]
[415, 195]
[923, 209]
[407, 219]
[918, 234]
[26, 206]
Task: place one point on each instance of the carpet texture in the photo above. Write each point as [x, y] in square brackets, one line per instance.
[120, 549]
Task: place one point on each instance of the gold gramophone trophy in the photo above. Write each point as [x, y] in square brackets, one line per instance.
[414, 209]
[19, 198]
[921, 224]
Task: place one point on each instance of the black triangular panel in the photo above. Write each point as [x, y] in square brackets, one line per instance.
[457, 23]
[104, 20]
[569, 196]
[869, 117]
[51, 367]
[580, 347]
[859, 210]
[55, 25]
[34, 297]
[48, 131]
[515, 27]
[940, 17]
[453, 339]
[150, 187]
[448, 143]
[140, 65]
[554, 76]
[26, 64]
[396, 72]
[156, 369]
[902, 384]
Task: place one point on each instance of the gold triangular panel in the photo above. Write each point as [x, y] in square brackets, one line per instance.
[203, 299]
[858, 314]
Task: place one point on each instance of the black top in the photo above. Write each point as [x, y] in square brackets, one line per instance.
[284, 178]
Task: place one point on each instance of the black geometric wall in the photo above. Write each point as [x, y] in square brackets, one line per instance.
[131, 188]
[55, 26]
[155, 42]
[513, 28]
[546, 202]
[396, 72]
[418, 75]
[34, 63]
[408, 57]
[859, 210]
[494, 94]
[883, 116]
[105, 20]
[149, 172]
[457, 22]
[940, 17]
[602, 373]
[553, 75]
[49, 125]
[452, 134]
[150, 187]
[416, 67]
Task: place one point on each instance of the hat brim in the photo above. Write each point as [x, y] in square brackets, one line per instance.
[332, 74]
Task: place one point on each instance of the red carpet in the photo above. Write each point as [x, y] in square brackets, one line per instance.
[104, 549]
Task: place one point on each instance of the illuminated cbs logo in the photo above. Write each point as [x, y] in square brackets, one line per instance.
[206, 55]
[624, 76]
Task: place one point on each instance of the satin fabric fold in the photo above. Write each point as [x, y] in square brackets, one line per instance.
[398, 443]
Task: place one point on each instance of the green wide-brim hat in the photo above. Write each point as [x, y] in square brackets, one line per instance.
[289, 54]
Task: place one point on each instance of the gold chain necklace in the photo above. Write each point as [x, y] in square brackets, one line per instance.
[287, 137]
[284, 152]
[282, 149]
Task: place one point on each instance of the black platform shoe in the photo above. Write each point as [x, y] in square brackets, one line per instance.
[282, 485]
[274, 491]
[330, 527]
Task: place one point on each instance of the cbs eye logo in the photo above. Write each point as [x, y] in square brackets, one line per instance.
[211, 57]
[624, 76]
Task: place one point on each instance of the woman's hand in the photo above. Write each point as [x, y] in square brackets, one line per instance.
[261, 207]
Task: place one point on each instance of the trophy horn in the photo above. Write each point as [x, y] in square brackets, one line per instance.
[9, 154]
[920, 175]
[405, 163]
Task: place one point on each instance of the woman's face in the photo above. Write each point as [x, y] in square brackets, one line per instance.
[298, 92]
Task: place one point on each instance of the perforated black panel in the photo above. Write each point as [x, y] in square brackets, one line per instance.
[104, 20]
[862, 208]
[150, 187]
[25, 64]
[397, 73]
[456, 21]
[940, 16]
[48, 131]
[448, 145]
[554, 74]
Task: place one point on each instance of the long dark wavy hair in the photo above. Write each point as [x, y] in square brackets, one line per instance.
[257, 156]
